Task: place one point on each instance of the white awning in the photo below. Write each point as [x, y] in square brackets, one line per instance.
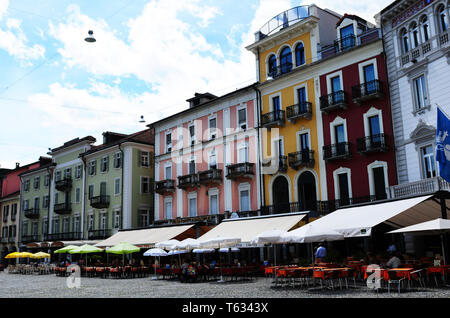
[359, 221]
[432, 227]
[248, 228]
[145, 237]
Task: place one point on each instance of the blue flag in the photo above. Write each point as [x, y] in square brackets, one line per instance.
[443, 144]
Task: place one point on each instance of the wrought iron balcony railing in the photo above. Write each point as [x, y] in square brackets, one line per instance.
[99, 234]
[280, 70]
[304, 158]
[374, 143]
[64, 184]
[337, 151]
[30, 238]
[64, 236]
[367, 91]
[32, 213]
[100, 202]
[165, 186]
[210, 176]
[275, 118]
[63, 208]
[241, 170]
[188, 181]
[334, 101]
[303, 109]
[282, 164]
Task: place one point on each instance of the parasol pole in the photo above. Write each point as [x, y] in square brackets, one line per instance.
[443, 248]
[220, 263]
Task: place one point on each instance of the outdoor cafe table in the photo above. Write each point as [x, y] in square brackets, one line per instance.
[443, 269]
[400, 272]
[325, 272]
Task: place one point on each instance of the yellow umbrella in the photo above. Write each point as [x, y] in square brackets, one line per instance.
[41, 255]
[25, 255]
[13, 255]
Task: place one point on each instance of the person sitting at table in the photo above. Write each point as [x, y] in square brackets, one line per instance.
[394, 261]
[321, 253]
[213, 264]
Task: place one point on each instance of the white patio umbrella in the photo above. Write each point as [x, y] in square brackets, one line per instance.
[155, 252]
[219, 242]
[309, 234]
[167, 245]
[188, 244]
[203, 251]
[433, 227]
[226, 249]
[271, 237]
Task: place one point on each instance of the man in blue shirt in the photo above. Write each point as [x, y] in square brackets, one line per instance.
[321, 253]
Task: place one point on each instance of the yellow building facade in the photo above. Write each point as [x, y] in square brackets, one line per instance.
[287, 61]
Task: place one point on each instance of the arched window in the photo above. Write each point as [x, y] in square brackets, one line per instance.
[414, 30]
[272, 66]
[405, 40]
[299, 54]
[286, 60]
[442, 18]
[425, 28]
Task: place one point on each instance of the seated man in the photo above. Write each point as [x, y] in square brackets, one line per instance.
[393, 262]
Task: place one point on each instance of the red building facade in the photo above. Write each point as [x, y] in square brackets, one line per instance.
[358, 148]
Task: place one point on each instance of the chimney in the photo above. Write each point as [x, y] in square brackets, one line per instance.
[17, 165]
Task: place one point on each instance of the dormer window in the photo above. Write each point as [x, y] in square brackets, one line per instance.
[347, 37]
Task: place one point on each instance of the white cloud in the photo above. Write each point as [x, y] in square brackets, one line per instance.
[3, 8]
[14, 41]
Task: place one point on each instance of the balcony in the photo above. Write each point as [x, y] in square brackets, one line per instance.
[367, 91]
[280, 70]
[282, 21]
[30, 238]
[349, 42]
[211, 176]
[371, 144]
[301, 110]
[339, 151]
[240, 170]
[421, 187]
[275, 118]
[282, 164]
[188, 181]
[334, 101]
[67, 236]
[99, 234]
[304, 158]
[164, 186]
[207, 219]
[64, 184]
[63, 208]
[100, 202]
[32, 213]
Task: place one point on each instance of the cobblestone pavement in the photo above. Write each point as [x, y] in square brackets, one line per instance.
[51, 286]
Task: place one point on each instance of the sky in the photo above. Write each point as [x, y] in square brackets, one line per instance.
[149, 58]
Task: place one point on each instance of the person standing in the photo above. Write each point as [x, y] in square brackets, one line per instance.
[321, 253]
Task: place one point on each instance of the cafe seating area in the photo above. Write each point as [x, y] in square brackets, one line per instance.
[410, 276]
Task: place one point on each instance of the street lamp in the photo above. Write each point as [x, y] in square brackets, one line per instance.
[90, 38]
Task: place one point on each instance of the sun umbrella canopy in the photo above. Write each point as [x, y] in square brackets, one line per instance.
[65, 249]
[309, 234]
[203, 250]
[25, 255]
[220, 242]
[41, 255]
[167, 245]
[226, 249]
[432, 227]
[270, 237]
[123, 248]
[188, 244]
[13, 255]
[176, 252]
[85, 249]
[155, 252]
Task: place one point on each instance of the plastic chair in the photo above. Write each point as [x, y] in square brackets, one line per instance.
[394, 279]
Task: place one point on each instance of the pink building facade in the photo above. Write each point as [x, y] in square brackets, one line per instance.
[206, 157]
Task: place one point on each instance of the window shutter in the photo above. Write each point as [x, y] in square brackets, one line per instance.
[139, 158]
